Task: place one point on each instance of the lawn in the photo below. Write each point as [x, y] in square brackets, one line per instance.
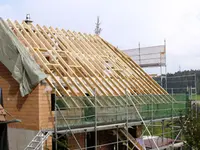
[196, 97]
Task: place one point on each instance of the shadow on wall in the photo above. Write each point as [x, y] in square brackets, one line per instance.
[13, 87]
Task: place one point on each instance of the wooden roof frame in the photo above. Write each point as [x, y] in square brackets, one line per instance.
[78, 63]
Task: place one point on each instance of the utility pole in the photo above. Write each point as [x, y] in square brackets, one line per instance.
[98, 29]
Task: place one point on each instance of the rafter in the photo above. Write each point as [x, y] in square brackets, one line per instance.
[77, 64]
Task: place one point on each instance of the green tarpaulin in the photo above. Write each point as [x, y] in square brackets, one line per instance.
[18, 60]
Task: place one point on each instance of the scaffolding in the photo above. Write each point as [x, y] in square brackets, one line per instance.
[151, 57]
[154, 56]
[120, 117]
[75, 65]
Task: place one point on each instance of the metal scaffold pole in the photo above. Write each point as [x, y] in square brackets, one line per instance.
[96, 143]
[126, 118]
[69, 128]
[165, 66]
[117, 135]
[139, 53]
[117, 138]
[195, 82]
[55, 121]
[85, 139]
[163, 129]
[146, 127]
[172, 123]
[56, 135]
[152, 116]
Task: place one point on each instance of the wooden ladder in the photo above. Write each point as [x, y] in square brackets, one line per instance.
[123, 135]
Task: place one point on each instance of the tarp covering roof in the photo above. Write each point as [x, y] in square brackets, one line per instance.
[18, 60]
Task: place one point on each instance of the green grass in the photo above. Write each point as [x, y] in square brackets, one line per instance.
[196, 97]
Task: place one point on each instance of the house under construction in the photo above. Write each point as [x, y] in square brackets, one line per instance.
[76, 91]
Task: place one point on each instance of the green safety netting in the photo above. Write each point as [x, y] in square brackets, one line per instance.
[120, 110]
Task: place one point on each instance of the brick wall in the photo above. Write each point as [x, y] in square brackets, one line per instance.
[34, 110]
[80, 137]
[23, 108]
[46, 116]
[105, 137]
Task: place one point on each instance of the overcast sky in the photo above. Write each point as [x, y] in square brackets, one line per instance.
[124, 23]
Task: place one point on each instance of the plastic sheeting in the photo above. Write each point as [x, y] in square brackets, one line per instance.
[18, 60]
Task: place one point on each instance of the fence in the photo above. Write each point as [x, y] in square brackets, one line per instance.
[178, 85]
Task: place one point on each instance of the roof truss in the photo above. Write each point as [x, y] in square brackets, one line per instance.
[78, 63]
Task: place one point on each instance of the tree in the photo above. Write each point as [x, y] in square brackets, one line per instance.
[191, 128]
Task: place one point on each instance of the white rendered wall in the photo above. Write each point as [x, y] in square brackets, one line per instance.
[18, 139]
